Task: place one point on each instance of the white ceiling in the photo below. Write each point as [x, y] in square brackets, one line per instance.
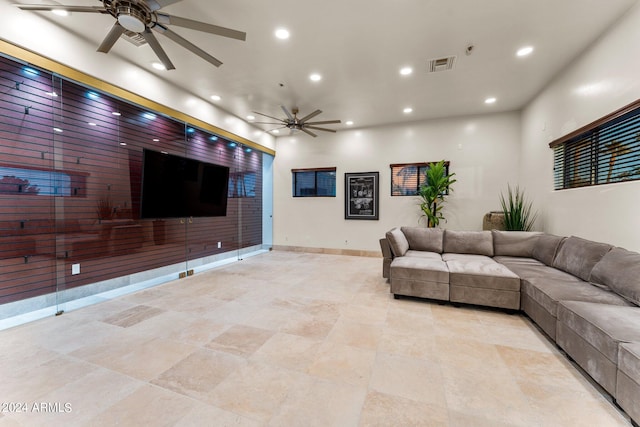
[359, 46]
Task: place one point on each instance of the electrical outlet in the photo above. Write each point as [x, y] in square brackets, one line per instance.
[75, 269]
[219, 245]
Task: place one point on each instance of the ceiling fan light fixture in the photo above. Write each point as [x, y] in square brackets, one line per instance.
[131, 23]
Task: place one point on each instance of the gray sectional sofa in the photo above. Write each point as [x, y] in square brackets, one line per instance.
[584, 295]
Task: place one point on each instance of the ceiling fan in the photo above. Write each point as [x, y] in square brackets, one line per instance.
[142, 16]
[293, 123]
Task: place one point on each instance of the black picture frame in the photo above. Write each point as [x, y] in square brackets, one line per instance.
[361, 195]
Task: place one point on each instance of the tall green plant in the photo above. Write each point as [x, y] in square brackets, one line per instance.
[518, 214]
[432, 193]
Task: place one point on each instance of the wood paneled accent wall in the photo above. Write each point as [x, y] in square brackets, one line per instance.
[70, 187]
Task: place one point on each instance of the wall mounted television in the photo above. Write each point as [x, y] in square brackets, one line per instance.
[178, 187]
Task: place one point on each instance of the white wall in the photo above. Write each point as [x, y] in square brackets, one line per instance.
[31, 31]
[483, 151]
[604, 79]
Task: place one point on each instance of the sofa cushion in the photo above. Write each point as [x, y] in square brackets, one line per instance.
[419, 269]
[546, 248]
[548, 292]
[468, 242]
[534, 269]
[514, 243]
[619, 269]
[603, 326]
[578, 256]
[424, 239]
[481, 273]
[397, 241]
[424, 254]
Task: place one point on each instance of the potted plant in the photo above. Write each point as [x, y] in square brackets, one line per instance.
[432, 192]
[518, 214]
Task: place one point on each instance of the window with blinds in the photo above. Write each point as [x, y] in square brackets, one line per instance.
[604, 152]
[406, 178]
[316, 182]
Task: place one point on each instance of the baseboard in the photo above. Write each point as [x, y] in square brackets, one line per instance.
[329, 251]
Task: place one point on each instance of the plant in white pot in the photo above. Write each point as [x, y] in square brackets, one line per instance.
[433, 191]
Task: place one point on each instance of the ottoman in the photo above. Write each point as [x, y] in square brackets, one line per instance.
[423, 277]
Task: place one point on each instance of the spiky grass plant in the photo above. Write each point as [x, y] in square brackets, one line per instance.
[518, 213]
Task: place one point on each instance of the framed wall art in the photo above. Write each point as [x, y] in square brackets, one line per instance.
[361, 195]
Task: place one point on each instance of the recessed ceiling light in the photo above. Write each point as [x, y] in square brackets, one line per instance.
[315, 77]
[491, 100]
[250, 117]
[282, 33]
[216, 97]
[60, 12]
[349, 123]
[524, 51]
[405, 71]
[407, 110]
[158, 66]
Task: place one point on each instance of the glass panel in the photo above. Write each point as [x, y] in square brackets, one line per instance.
[304, 184]
[326, 183]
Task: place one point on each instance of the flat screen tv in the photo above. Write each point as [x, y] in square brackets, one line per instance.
[177, 187]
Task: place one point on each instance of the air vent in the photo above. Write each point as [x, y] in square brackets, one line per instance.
[441, 64]
[134, 38]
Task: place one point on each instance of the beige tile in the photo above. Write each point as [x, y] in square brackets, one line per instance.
[145, 360]
[342, 363]
[29, 386]
[197, 331]
[385, 410]
[414, 379]
[198, 374]
[241, 340]
[148, 405]
[293, 339]
[81, 400]
[320, 403]
[256, 390]
[355, 334]
[133, 316]
[288, 351]
[309, 327]
[210, 415]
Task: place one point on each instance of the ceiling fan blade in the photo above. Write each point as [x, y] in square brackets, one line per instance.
[44, 7]
[112, 38]
[309, 116]
[187, 45]
[159, 4]
[289, 116]
[159, 51]
[274, 118]
[317, 128]
[165, 19]
[267, 123]
[326, 122]
[308, 132]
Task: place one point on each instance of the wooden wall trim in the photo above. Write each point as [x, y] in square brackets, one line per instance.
[38, 60]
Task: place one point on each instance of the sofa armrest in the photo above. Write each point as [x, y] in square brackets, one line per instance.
[387, 257]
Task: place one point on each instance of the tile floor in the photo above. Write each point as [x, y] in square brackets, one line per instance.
[289, 339]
